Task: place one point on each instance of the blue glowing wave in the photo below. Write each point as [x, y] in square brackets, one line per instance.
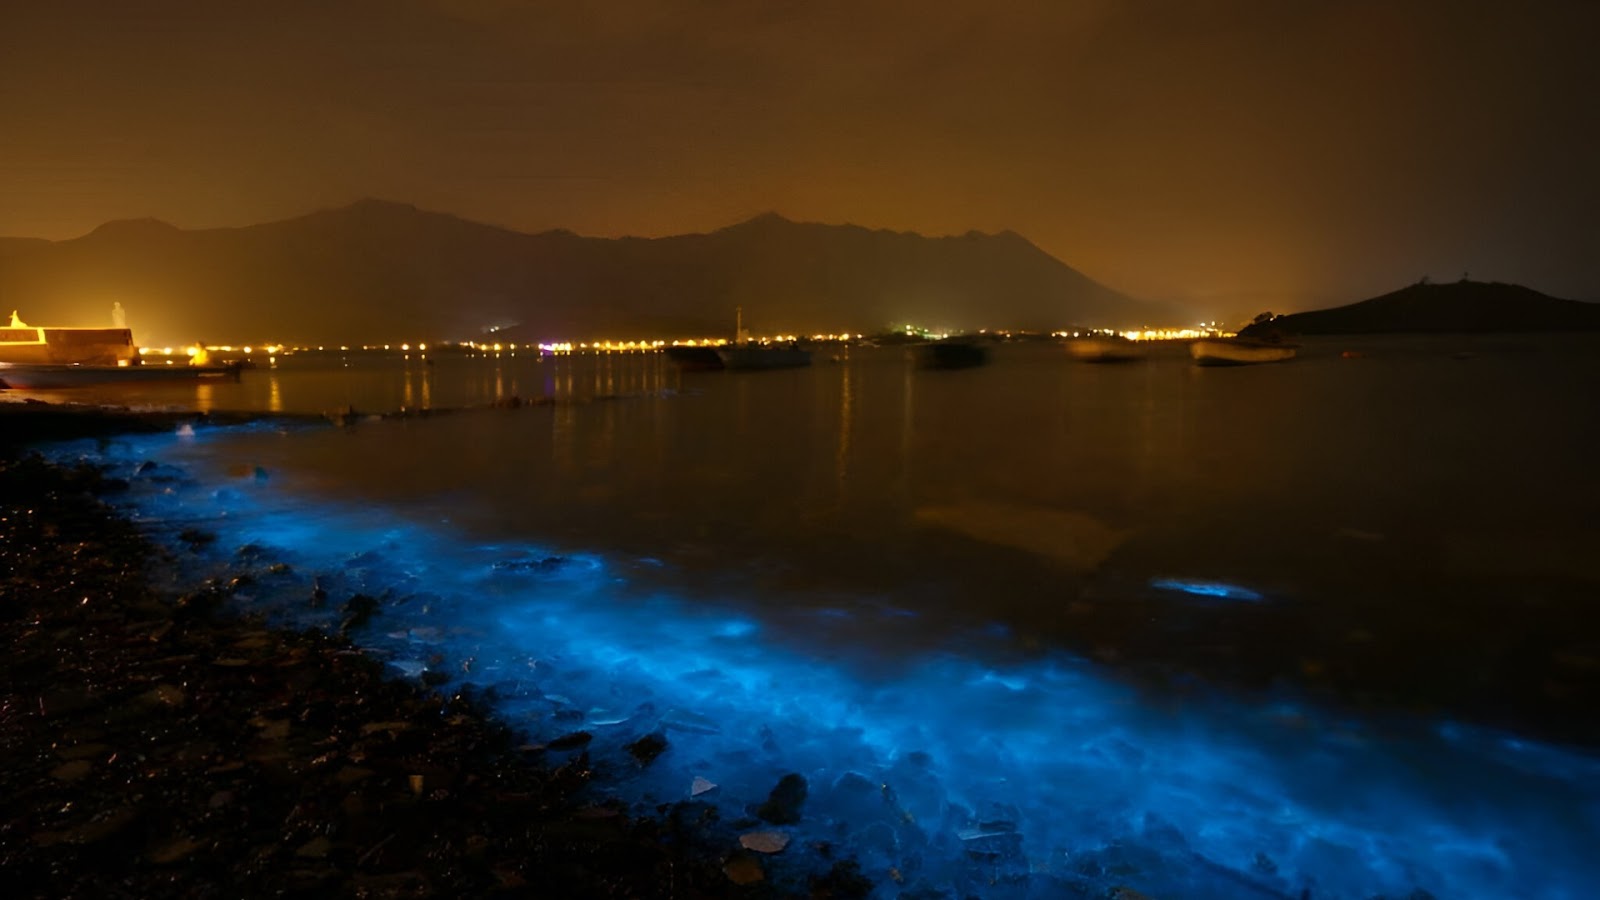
[1207, 589]
[924, 771]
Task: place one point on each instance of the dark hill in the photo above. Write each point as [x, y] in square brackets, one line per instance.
[378, 272]
[1462, 307]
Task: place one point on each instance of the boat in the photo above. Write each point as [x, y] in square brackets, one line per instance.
[1239, 351]
[745, 354]
[35, 345]
[763, 356]
[31, 377]
[696, 358]
[951, 354]
[1104, 348]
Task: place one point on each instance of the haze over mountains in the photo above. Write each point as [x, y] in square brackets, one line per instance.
[378, 271]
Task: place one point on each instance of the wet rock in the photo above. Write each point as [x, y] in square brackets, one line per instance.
[843, 881]
[916, 792]
[782, 806]
[571, 741]
[391, 728]
[764, 841]
[199, 603]
[855, 798]
[72, 771]
[173, 851]
[271, 729]
[352, 774]
[992, 845]
[64, 701]
[358, 611]
[97, 829]
[646, 749]
[744, 868]
[168, 696]
[196, 538]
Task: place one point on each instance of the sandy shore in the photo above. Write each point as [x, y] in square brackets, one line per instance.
[161, 746]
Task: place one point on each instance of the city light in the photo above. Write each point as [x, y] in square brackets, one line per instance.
[565, 346]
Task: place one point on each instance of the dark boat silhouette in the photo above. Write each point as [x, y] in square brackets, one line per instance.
[957, 353]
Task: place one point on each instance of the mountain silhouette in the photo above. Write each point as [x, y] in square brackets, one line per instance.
[378, 271]
[1461, 307]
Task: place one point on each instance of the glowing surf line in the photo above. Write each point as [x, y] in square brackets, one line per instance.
[1079, 759]
[1207, 589]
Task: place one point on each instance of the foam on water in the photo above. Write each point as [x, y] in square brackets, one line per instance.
[963, 769]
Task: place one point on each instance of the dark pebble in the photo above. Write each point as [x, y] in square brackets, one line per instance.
[783, 804]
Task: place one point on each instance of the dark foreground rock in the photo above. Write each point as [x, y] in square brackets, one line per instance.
[150, 747]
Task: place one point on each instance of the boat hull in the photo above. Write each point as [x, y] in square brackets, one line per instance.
[951, 355]
[695, 359]
[31, 345]
[752, 358]
[1239, 353]
[24, 377]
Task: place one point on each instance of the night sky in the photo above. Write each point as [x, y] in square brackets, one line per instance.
[1230, 154]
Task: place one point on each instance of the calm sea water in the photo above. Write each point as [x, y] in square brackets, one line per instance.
[1428, 473]
[1302, 579]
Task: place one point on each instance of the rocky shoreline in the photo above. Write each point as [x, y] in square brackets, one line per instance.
[163, 746]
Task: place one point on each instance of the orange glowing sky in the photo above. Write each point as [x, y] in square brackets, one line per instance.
[1230, 154]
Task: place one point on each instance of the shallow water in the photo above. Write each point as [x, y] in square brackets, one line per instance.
[1202, 632]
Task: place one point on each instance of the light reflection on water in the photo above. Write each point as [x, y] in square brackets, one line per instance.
[752, 552]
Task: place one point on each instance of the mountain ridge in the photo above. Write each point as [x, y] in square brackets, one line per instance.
[379, 270]
[1457, 307]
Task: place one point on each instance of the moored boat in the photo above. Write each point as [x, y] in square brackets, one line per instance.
[1104, 349]
[1239, 351]
[696, 358]
[951, 354]
[763, 356]
[35, 345]
[745, 354]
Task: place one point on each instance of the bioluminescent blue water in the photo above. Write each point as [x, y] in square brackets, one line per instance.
[958, 767]
[1207, 589]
